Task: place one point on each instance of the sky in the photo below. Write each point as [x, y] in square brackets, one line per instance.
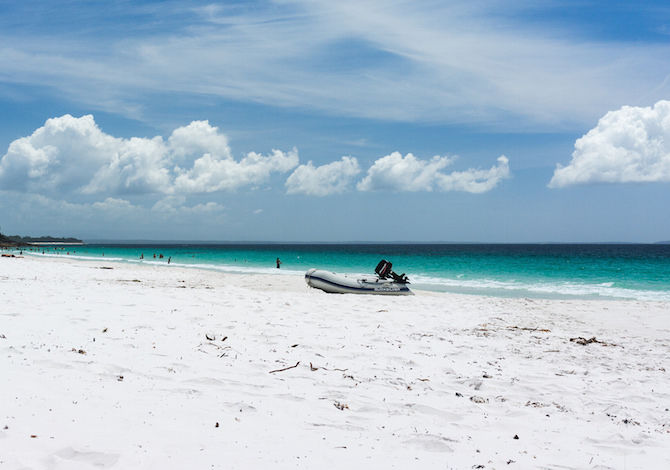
[320, 121]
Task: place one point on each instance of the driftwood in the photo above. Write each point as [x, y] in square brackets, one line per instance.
[584, 341]
[313, 368]
[285, 368]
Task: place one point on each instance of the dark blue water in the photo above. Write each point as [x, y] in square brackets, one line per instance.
[539, 271]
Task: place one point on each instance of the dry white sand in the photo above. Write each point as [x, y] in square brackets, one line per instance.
[162, 367]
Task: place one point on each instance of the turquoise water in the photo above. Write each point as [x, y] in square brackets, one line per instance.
[639, 272]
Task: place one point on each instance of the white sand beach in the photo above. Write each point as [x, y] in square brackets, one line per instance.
[132, 366]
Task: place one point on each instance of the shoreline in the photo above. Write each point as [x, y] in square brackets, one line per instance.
[150, 367]
[417, 286]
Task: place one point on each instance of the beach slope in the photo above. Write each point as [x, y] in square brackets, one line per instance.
[124, 366]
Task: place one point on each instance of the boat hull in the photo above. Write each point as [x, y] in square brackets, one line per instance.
[342, 284]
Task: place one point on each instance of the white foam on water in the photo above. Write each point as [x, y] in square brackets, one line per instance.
[559, 289]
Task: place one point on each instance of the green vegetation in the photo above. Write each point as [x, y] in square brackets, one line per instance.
[20, 239]
[7, 242]
[17, 240]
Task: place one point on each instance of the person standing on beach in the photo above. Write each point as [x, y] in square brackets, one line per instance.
[278, 263]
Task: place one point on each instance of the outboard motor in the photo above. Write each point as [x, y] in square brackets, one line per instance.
[383, 270]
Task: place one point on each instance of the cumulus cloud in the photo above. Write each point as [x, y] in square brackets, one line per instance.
[61, 155]
[73, 160]
[135, 166]
[397, 173]
[474, 181]
[630, 145]
[198, 138]
[71, 155]
[211, 173]
[333, 178]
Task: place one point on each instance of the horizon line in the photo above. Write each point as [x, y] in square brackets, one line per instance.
[93, 241]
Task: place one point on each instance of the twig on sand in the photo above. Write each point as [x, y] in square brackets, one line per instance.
[313, 368]
[285, 368]
[584, 341]
[537, 328]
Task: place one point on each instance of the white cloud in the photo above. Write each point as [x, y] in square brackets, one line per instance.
[60, 156]
[397, 173]
[210, 173]
[630, 145]
[333, 178]
[112, 205]
[474, 181]
[134, 166]
[176, 205]
[198, 138]
[69, 156]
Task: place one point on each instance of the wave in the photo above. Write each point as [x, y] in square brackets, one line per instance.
[539, 289]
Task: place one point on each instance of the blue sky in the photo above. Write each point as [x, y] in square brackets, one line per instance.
[308, 120]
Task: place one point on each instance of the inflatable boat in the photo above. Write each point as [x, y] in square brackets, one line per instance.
[385, 283]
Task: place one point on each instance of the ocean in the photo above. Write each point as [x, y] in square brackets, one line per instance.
[553, 271]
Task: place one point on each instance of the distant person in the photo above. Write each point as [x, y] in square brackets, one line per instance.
[278, 263]
[169, 259]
